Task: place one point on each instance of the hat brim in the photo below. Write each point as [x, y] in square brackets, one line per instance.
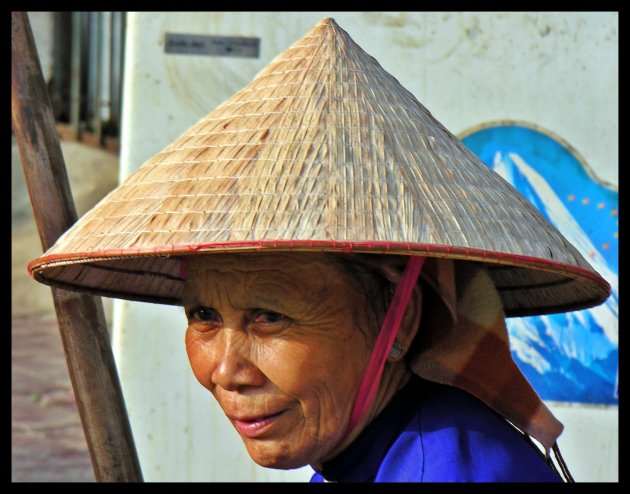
[527, 286]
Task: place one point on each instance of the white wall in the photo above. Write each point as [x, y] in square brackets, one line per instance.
[557, 70]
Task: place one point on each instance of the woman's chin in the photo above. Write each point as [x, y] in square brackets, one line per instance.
[275, 456]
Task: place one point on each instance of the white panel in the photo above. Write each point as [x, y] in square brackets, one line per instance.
[590, 442]
[557, 70]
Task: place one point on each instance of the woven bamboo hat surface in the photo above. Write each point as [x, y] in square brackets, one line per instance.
[323, 151]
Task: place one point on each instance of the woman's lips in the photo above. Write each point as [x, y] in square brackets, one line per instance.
[258, 426]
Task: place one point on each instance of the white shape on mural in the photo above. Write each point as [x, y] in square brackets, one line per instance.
[530, 341]
[606, 315]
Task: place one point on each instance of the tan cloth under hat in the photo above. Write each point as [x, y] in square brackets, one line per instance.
[463, 342]
[323, 150]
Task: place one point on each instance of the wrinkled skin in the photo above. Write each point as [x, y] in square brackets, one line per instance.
[279, 342]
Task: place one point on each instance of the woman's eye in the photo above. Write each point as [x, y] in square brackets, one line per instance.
[268, 317]
[204, 314]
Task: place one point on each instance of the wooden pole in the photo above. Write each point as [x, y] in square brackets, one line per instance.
[81, 317]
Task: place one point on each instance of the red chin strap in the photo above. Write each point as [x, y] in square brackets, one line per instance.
[385, 340]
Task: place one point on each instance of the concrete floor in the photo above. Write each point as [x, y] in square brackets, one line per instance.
[47, 440]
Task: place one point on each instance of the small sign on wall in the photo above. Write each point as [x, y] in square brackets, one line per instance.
[217, 46]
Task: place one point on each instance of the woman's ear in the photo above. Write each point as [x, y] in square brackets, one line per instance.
[409, 325]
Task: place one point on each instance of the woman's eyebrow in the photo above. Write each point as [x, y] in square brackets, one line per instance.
[190, 296]
[267, 301]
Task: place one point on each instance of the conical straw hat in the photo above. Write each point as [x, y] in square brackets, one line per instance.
[323, 151]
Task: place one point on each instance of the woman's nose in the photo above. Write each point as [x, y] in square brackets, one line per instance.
[233, 366]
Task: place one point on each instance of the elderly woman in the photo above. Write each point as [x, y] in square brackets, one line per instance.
[346, 266]
[283, 340]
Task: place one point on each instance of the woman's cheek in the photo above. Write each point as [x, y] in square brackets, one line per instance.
[199, 362]
[288, 364]
[277, 360]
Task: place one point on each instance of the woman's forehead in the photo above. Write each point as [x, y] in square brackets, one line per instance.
[264, 273]
[251, 263]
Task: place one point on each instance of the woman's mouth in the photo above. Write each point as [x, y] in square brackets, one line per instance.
[256, 426]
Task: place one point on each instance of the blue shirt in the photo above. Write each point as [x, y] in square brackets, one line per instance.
[431, 432]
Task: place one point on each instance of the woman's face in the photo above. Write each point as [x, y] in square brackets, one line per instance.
[280, 340]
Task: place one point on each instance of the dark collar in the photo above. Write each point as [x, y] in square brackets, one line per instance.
[360, 461]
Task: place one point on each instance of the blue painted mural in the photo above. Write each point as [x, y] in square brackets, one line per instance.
[572, 356]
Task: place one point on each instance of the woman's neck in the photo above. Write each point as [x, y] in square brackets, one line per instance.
[395, 376]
